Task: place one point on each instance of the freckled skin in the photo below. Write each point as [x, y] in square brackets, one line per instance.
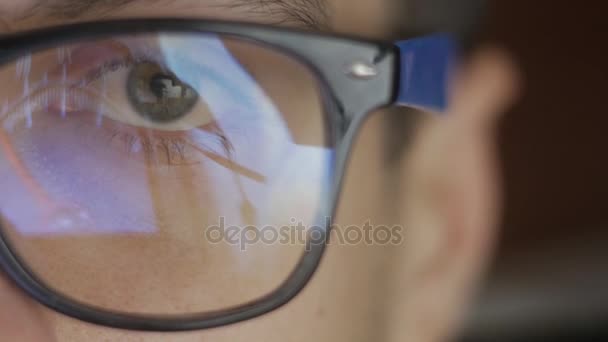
[414, 291]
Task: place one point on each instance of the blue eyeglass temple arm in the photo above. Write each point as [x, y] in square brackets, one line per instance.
[426, 64]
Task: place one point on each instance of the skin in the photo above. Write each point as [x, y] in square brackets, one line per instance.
[447, 198]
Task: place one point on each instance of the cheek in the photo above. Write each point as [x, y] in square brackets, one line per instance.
[87, 174]
[21, 318]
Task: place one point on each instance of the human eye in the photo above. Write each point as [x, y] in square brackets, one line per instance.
[137, 98]
[141, 88]
[134, 90]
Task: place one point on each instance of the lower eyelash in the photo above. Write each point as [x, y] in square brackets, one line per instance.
[171, 151]
[157, 150]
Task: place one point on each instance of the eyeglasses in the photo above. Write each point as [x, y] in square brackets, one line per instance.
[130, 151]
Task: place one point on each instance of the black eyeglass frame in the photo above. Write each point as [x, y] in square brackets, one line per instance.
[350, 97]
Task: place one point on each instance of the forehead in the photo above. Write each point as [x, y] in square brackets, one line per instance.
[319, 15]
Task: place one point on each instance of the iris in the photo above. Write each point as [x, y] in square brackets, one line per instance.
[157, 94]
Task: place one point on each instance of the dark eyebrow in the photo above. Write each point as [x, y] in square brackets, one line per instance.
[311, 14]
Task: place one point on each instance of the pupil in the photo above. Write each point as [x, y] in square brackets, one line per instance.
[160, 85]
[157, 95]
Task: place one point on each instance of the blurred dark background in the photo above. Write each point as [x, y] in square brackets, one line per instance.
[550, 276]
[549, 280]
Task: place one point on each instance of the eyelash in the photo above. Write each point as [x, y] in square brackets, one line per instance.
[108, 67]
[174, 150]
[116, 64]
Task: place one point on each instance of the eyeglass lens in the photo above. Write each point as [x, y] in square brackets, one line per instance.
[161, 173]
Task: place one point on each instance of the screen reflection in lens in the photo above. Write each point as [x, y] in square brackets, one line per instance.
[118, 155]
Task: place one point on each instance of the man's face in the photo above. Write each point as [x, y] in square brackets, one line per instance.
[442, 191]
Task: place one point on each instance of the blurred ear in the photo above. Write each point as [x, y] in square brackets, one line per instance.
[451, 202]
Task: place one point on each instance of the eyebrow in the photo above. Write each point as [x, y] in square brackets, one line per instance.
[310, 14]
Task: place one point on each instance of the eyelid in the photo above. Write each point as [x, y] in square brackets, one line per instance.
[79, 59]
[84, 58]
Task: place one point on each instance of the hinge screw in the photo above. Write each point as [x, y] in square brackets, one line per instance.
[362, 70]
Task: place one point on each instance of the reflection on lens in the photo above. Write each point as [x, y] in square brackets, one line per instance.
[161, 174]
